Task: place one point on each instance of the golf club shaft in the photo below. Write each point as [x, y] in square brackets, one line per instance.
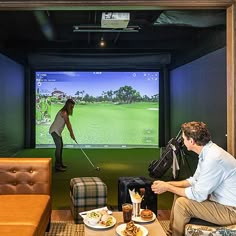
[87, 157]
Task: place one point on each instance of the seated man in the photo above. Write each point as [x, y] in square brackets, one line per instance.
[210, 194]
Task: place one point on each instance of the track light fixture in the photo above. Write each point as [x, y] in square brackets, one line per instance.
[102, 43]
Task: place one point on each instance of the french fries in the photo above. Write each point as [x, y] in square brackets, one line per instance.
[135, 196]
[132, 230]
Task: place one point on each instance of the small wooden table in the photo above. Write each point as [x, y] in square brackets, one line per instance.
[154, 228]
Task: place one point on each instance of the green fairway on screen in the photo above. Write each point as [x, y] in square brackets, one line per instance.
[112, 110]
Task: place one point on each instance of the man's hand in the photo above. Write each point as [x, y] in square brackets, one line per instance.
[159, 187]
[176, 187]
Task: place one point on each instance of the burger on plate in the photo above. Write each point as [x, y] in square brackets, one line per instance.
[146, 214]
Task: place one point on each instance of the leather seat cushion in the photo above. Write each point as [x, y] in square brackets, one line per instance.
[19, 230]
[25, 209]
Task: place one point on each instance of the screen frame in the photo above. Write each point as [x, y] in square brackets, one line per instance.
[30, 114]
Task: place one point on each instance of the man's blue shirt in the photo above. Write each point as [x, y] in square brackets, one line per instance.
[215, 177]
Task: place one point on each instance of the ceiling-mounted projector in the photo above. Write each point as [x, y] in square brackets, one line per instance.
[115, 20]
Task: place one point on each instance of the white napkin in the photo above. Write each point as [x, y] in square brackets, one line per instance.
[135, 197]
[84, 213]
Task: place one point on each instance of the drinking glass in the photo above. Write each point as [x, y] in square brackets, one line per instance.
[127, 209]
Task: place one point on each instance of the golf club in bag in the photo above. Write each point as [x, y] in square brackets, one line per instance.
[168, 158]
[96, 168]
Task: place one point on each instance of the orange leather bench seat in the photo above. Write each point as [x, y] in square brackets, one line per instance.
[22, 210]
[25, 196]
[19, 230]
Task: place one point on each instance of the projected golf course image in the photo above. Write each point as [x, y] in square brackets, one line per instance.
[118, 112]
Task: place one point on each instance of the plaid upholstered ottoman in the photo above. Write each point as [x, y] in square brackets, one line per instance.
[86, 193]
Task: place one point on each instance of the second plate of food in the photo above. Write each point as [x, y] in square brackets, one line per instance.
[102, 224]
[141, 230]
[146, 216]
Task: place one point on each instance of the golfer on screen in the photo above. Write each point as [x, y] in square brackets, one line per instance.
[56, 129]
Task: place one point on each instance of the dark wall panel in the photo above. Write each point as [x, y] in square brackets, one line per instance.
[198, 92]
[12, 106]
[106, 61]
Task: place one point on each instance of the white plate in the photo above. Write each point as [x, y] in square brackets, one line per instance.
[138, 219]
[100, 226]
[121, 228]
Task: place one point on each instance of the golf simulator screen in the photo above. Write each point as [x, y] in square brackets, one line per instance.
[112, 109]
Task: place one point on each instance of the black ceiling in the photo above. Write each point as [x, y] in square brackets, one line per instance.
[175, 32]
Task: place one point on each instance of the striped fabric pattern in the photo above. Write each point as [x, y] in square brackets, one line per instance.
[65, 228]
[86, 193]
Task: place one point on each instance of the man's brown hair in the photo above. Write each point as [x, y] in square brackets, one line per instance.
[198, 131]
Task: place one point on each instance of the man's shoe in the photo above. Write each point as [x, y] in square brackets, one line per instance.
[60, 169]
[63, 166]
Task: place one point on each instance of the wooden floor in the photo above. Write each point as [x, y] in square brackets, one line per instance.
[65, 215]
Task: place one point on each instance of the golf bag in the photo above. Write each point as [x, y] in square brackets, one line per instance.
[168, 159]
